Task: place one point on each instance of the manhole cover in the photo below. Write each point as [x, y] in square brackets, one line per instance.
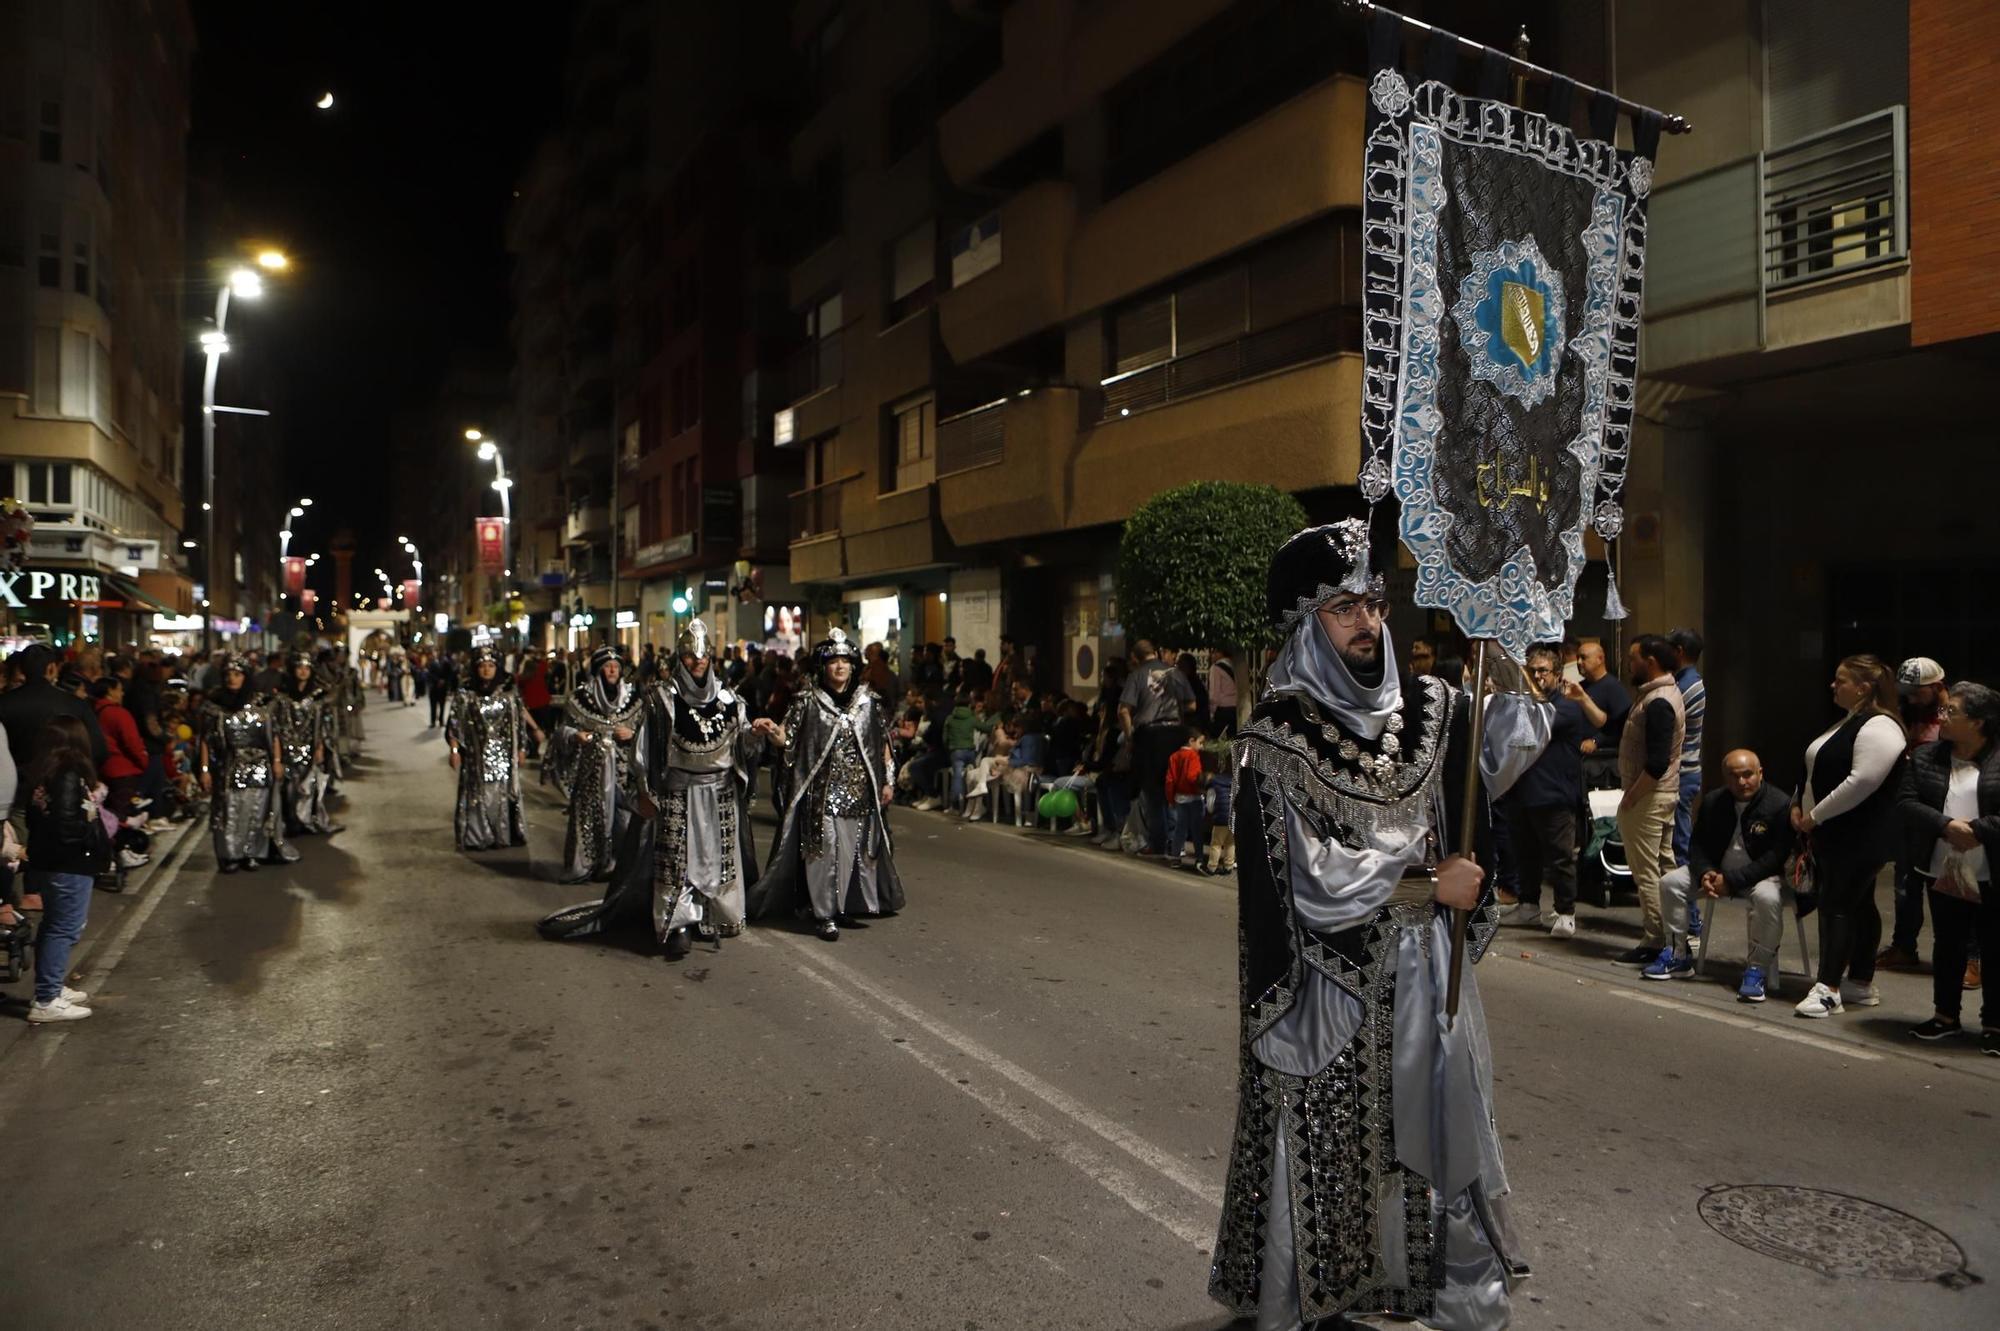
[1834, 1234]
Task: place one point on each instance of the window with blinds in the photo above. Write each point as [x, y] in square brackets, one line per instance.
[1827, 62]
[912, 457]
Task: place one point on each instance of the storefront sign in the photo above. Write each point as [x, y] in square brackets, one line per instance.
[17, 589]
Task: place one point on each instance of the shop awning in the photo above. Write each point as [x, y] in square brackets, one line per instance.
[129, 592]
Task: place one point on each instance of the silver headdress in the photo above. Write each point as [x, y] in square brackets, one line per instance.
[1316, 565]
[834, 645]
[694, 640]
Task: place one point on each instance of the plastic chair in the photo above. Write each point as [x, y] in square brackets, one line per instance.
[1789, 905]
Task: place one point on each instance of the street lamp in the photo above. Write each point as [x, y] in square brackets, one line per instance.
[489, 451]
[246, 283]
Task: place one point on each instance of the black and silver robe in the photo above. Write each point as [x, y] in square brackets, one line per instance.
[692, 862]
[605, 775]
[243, 812]
[305, 729]
[489, 730]
[1366, 1172]
[833, 846]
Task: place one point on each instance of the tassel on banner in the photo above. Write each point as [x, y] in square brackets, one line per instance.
[1614, 604]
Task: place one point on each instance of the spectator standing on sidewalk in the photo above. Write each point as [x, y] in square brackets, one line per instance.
[1153, 712]
[125, 752]
[1848, 808]
[1742, 834]
[1920, 684]
[69, 848]
[1222, 692]
[1694, 706]
[1950, 802]
[1184, 789]
[1605, 704]
[1649, 765]
[1541, 808]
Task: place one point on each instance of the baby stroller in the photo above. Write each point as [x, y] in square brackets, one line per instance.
[15, 939]
[1601, 869]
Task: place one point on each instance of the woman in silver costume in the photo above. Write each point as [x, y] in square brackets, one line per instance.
[602, 722]
[689, 856]
[303, 718]
[487, 729]
[240, 769]
[833, 858]
[1366, 1173]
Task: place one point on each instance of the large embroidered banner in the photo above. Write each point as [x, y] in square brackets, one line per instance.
[1503, 257]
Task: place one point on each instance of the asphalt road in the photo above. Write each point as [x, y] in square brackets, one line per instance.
[360, 1092]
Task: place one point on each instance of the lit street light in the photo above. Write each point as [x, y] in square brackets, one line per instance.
[489, 451]
[246, 283]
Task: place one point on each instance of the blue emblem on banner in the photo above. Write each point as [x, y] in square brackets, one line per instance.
[1510, 320]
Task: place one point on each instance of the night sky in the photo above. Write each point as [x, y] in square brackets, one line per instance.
[392, 206]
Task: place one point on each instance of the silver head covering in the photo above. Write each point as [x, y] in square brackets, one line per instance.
[1309, 667]
[693, 640]
[836, 644]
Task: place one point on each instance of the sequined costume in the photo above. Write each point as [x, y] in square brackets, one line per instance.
[699, 755]
[605, 777]
[303, 720]
[243, 814]
[1366, 1174]
[486, 725]
[833, 855]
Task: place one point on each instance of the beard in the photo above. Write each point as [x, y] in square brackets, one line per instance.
[1363, 657]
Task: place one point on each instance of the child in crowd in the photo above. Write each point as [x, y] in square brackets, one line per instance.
[1221, 856]
[1184, 803]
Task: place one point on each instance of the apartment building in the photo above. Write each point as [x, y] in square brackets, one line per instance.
[93, 133]
[1813, 461]
[703, 332]
[1075, 252]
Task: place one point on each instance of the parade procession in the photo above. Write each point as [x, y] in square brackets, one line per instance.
[1000, 665]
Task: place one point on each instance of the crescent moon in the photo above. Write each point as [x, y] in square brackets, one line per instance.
[325, 100]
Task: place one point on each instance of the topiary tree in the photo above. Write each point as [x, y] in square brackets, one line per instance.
[1191, 569]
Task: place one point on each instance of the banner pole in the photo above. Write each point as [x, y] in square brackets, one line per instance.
[1468, 827]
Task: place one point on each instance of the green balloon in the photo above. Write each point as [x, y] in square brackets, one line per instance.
[1046, 806]
[1064, 803]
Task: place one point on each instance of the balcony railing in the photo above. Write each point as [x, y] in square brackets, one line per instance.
[1836, 202]
[1300, 342]
[972, 438]
[816, 509]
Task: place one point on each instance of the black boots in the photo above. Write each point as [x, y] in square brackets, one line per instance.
[678, 944]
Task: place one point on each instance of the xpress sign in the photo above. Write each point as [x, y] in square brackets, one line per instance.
[18, 589]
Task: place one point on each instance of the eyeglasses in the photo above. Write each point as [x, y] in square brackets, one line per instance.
[1344, 613]
[1951, 712]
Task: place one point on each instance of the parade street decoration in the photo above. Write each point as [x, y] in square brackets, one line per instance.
[1504, 254]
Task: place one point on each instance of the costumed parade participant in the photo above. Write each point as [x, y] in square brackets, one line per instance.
[833, 859]
[487, 730]
[240, 771]
[1366, 1173]
[601, 725]
[691, 866]
[302, 716]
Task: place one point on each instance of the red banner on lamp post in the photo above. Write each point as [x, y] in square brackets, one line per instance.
[413, 593]
[295, 575]
[491, 537]
[308, 600]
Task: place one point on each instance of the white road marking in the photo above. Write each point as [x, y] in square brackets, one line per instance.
[1838, 1048]
[1159, 1161]
[1106, 1175]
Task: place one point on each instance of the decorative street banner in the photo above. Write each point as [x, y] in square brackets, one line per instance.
[308, 600]
[295, 575]
[1503, 257]
[490, 536]
[413, 593]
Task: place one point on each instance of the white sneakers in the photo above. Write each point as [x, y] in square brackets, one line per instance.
[59, 1008]
[926, 805]
[1859, 995]
[1821, 1002]
[1563, 927]
[74, 995]
[1521, 914]
[132, 859]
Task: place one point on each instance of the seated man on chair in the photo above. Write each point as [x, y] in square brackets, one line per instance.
[1742, 834]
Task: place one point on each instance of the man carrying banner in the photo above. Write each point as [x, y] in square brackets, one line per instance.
[1366, 1173]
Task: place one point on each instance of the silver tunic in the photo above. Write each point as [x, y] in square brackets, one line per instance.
[243, 811]
[305, 733]
[703, 847]
[488, 730]
[604, 777]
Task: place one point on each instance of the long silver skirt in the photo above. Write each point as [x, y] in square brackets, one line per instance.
[243, 825]
[840, 880]
[488, 815]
